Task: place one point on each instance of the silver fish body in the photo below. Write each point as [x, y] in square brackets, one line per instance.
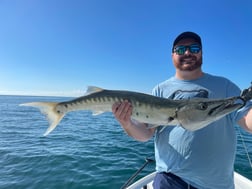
[191, 114]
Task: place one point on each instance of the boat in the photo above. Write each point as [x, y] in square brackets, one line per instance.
[241, 182]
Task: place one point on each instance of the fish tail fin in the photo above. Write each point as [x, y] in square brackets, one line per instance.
[49, 110]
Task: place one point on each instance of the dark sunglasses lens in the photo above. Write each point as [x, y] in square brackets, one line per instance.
[195, 49]
[180, 50]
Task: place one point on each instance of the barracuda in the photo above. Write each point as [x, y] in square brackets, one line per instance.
[191, 114]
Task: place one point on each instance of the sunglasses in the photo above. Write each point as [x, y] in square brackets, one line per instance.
[180, 50]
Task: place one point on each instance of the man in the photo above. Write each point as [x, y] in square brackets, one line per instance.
[184, 159]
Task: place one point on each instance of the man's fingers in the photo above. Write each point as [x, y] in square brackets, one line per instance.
[123, 110]
[115, 107]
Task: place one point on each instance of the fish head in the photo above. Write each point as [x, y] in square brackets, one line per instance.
[198, 113]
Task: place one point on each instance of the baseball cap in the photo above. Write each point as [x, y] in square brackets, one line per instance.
[187, 35]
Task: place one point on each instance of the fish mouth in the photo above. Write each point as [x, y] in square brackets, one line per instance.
[225, 107]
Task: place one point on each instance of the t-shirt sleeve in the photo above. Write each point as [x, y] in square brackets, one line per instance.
[233, 90]
[243, 111]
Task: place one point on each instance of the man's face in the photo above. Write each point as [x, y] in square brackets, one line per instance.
[188, 61]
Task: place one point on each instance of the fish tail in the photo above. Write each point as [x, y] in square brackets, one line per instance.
[49, 110]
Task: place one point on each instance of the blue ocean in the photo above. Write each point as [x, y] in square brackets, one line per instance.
[84, 151]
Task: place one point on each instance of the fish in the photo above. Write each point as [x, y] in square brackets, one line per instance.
[191, 114]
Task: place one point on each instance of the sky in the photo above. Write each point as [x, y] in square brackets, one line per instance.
[60, 47]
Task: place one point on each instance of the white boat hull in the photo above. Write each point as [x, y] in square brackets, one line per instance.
[241, 182]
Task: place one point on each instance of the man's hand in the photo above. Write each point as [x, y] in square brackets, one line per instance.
[139, 131]
[122, 112]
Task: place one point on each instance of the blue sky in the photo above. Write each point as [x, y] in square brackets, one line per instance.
[59, 47]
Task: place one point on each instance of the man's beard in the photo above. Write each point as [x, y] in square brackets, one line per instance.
[188, 63]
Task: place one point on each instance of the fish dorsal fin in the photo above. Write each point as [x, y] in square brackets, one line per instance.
[93, 89]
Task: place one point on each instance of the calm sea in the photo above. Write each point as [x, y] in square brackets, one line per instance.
[84, 151]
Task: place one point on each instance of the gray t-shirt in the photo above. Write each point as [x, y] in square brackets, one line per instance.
[203, 158]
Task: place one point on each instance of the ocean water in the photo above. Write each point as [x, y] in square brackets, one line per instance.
[84, 151]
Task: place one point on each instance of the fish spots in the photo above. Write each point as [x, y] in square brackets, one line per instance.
[170, 119]
[110, 99]
[89, 100]
[107, 99]
[138, 114]
[103, 99]
[139, 104]
[66, 106]
[99, 99]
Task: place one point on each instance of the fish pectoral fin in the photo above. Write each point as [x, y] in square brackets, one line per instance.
[95, 113]
[150, 126]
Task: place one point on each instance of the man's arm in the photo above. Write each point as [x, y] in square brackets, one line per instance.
[246, 121]
[139, 131]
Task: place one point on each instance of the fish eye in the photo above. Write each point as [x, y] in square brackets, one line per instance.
[203, 106]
